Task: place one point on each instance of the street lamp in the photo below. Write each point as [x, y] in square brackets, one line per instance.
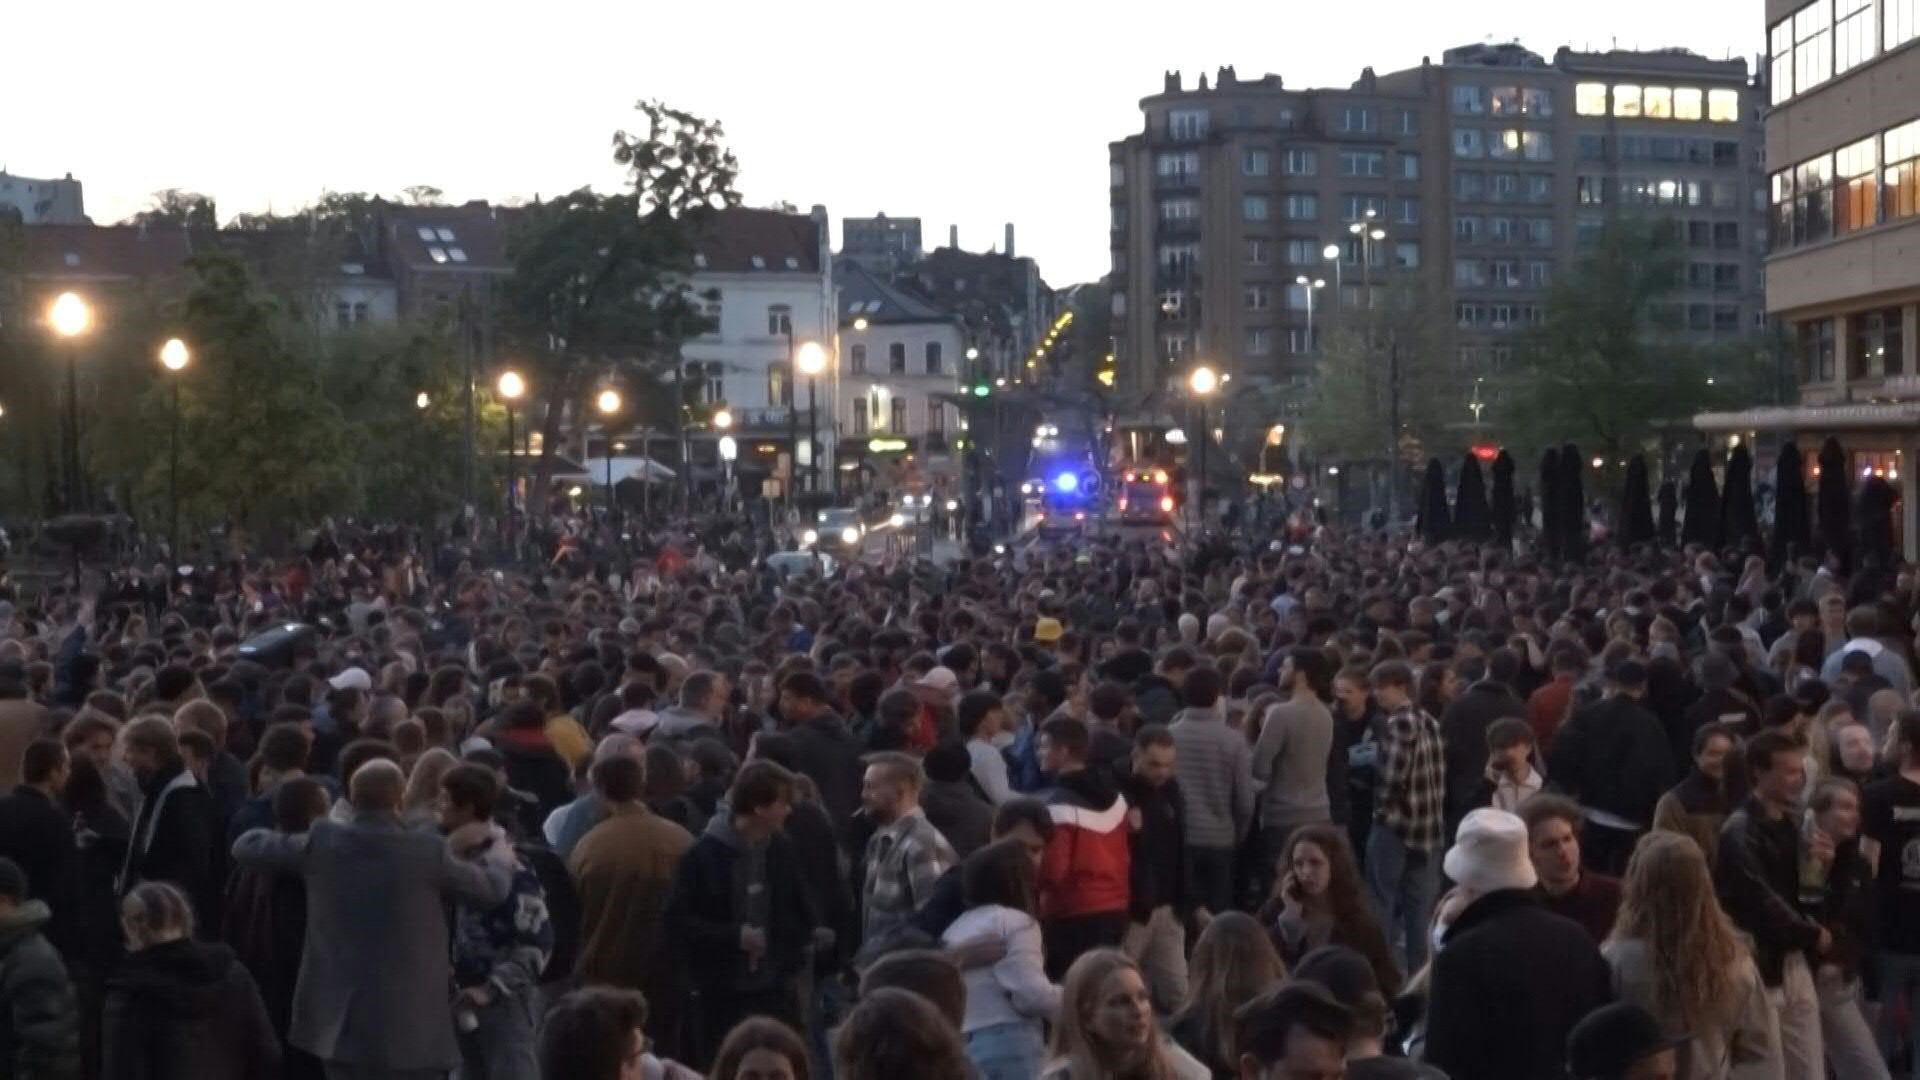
[421, 400]
[1203, 382]
[510, 386]
[70, 317]
[723, 419]
[174, 357]
[860, 323]
[728, 451]
[1310, 284]
[609, 403]
[811, 360]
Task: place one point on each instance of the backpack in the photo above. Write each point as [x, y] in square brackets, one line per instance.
[563, 908]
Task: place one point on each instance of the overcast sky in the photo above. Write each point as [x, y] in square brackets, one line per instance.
[973, 114]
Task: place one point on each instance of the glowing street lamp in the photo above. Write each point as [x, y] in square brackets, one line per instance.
[70, 317]
[1203, 381]
[723, 419]
[174, 357]
[811, 360]
[608, 402]
[510, 386]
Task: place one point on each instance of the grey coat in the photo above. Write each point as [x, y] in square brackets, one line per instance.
[374, 981]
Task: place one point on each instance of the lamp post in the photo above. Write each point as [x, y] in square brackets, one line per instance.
[510, 386]
[70, 317]
[723, 422]
[812, 360]
[174, 357]
[1369, 232]
[1310, 285]
[609, 403]
[1203, 382]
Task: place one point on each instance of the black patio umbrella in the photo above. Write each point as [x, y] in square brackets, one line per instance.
[1703, 502]
[1792, 527]
[1669, 527]
[1435, 523]
[1573, 503]
[1636, 511]
[1472, 519]
[1739, 521]
[1549, 499]
[1873, 524]
[1503, 505]
[1833, 504]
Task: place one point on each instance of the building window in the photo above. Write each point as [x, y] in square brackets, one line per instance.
[1780, 63]
[1187, 124]
[1406, 211]
[1177, 167]
[1686, 103]
[897, 358]
[1813, 200]
[1504, 101]
[1536, 146]
[1359, 120]
[1302, 252]
[1626, 100]
[1857, 168]
[1539, 187]
[1500, 230]
[1723, 106]
[1812, 45]
[1409, 166]
[1406, 254]
[1852, 34]
[1536, 101]
[1179, 259]
[779, 387]
[861, 410]
[1590, 99]
[936, 418]
[1469, 186]
[1504, 187]
[1179, 209]
[1899, 22]
[1259, 342]
[1258, 252]
[1116, 175]
[1299, 297]
[1363, 163]
[1656, 102]
[1504, 273]
[1356, 207]
[857, 360]
[1816, 350]
[1901, 182]
[1256, 162]
[1466, 228]
[1469, 273]
[1254, 207]
[1301, 207]
[1469, 100]
[897, 421]
[1590, 190]
[1301, 162]
[1467, 143]
[779, 320]
[1539, 274]
[1540, 232]
[1407, 122]
[933, 358]
[1259, 298]
[1590, 147]
[1468, 315]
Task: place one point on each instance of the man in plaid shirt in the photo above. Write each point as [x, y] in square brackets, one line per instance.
[906, 853]
[1404, 847]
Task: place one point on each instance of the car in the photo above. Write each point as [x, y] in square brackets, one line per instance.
[838, 529]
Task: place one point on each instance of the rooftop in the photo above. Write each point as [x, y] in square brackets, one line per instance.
[742, 240]
[472, 235]
[863, 295]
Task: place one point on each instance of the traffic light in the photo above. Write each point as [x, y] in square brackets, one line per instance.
[981, 389]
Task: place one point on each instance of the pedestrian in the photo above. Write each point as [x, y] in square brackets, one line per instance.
[1844, 905]
[175, 830]
[1699, 804]
[1348, 978]
[266, 921]
[1510, 777]
[1891, 817]
[371, 1002]
[1505, 946]
[1106, 1027]
[829, 754]
[1567, 887]
[39, 1027]
[905, 855]
[760, 1048]
[1157, 879]
[1675, 952]
[1615, 758]
[1487, 698]
[1757, 878]
[1296, 1028]
[37, 834]
[1319, 900]
[1290, 757]
[983, 721]
[599, 1033]
[952, 804]
[180, 1009]
[1215, 768]
[738, 916]
[1084, 873]
[1622, 1041]
[499, 952]
[1233, 961]
[1403, 847]
[623, 872]
[565, 827]
[1009, 1001]
[893, 1033]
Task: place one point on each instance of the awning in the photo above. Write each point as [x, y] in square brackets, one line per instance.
[625, 469]
[1822, 418]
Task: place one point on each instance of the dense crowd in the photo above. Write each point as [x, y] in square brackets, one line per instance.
[1306, 804]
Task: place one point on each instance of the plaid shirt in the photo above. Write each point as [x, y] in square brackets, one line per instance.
[903, 861]
[1411, 798]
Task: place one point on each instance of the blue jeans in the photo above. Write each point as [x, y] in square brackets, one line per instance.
[1009, 1051]
[1402, 882]
[1900, 977]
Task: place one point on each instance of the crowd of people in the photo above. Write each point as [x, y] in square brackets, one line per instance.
[1317, 804]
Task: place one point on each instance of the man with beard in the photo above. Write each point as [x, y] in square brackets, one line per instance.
[175, 827]
[1084, 874]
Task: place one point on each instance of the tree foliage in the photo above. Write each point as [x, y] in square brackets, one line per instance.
[1351, 406]
[177, 208]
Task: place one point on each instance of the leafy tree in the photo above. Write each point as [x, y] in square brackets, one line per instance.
[177, 208]
[423, 195]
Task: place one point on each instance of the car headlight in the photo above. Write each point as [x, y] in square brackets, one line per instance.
[809, 537]
[897, 520]
[850, 535]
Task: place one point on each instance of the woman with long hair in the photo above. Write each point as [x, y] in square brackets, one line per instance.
[1233, 962]
[1675, 952]
[1105, 1029]
[1007, 1001]
[1318, 900]
[423, 787]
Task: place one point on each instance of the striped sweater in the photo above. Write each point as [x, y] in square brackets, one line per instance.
[1215, 768]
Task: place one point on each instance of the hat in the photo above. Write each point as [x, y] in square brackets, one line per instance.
[1609, 1040]
[1045, 631]
[1489, 853]
[352, 679]
[938, 678]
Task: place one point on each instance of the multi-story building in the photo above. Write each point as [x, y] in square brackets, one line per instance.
[1843, 275]
[1005, 308]
[901, 361]
[42, 202]
[880, 243]
[1482, 175]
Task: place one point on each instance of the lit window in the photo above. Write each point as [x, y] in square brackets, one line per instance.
[759, 262]
[438, 254]
[446, 234]
[1857, 196]
[1780, 51]
[1656, 103]
[1723, 106]
[1852, 34]
[458, 255]
[1812, 46]
[1899, 22]
[1505, 100]
[1504, 145]
[1902, 176]
[1686, 103]
[426, 233]
[1590, 99]
[1626, 99]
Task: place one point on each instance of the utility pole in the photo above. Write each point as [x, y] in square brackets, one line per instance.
[465, 324]
[1393, 428]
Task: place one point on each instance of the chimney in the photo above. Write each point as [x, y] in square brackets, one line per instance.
[1009, 239]
[1171, 83]
[953, 237]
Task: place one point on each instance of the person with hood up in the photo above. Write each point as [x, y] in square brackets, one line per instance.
[179, 1009]
[739, 913]
[1215, 768]
[1084, 873]
[39, 1031]
[173, 832]
[499, 951]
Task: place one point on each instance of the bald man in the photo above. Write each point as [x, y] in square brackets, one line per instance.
[371, 1002]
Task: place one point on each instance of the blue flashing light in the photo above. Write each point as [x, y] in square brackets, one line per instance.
[1066, 483]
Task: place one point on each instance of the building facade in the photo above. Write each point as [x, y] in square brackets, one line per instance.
[901, 363]
[882, 244]
[42, 202]
[1475, 180]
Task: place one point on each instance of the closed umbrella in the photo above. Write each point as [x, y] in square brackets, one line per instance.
[1636, 511]
[1833, 503]
[1739, 522]
[1472, 520]
[1549, 500]
[1435, 522]
[1703, 502]
[1573, 503]
[1669, 527]
[1792, 527]
[1503, 507]
[1873, 524]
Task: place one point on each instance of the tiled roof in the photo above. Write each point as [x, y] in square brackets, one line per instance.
[741, 240]
[106, 252]
[863, 295]
[471, 236]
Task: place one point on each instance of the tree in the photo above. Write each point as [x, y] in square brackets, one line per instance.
[423, 195]
[177, 208]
